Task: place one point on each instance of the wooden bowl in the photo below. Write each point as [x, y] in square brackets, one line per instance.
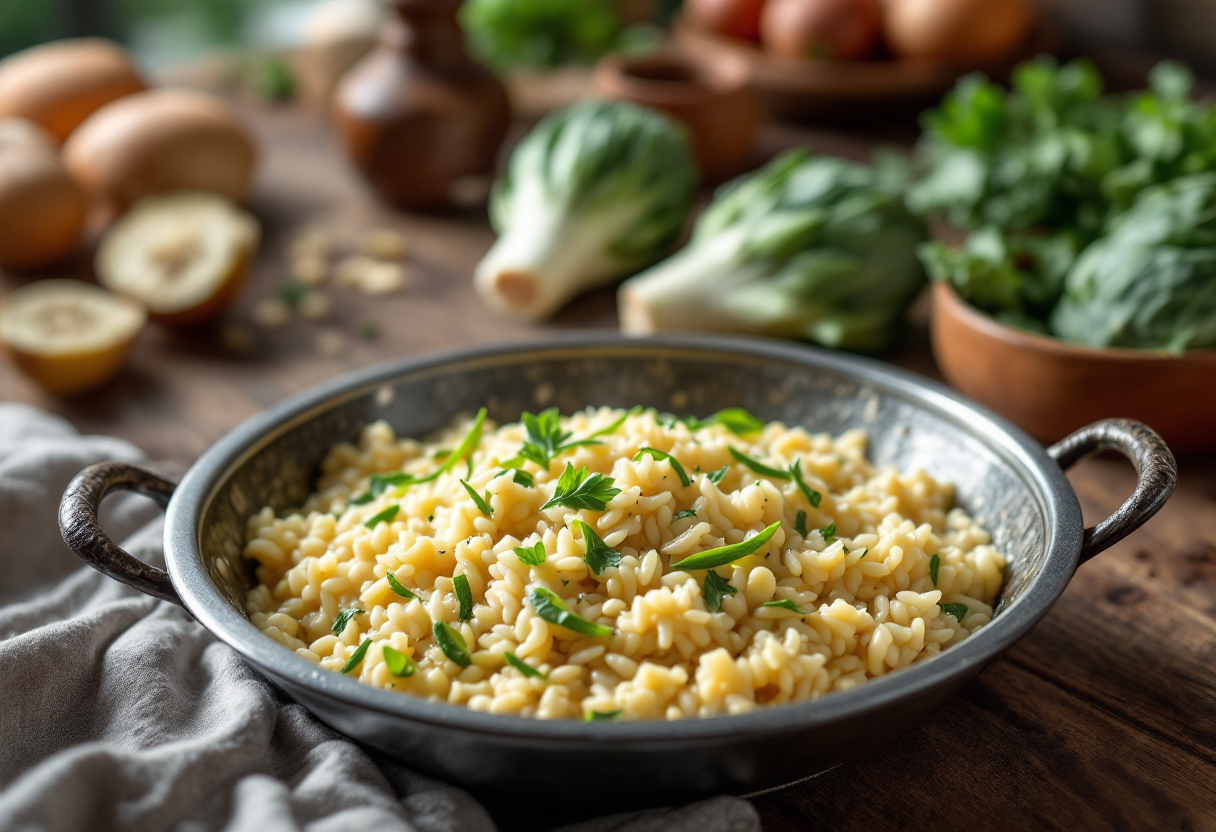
[1050, 388]
[712, 99]
[802, 90]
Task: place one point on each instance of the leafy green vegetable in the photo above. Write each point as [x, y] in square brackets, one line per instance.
[675, 463]
[385, 516]
[594, 192]
[399, 664]
[716, 477]
[828, 533]
[578, 489]
[957, 610]
[546, 33]
[715, 589]
[723, 555]
[599, 554]
[464, 596]
[759, 468]
[356, 658]
[397, 587]
[687, 512]
[800, 523]
[523, 667]
[815, 248]
[452, 643]
[534, 556]
[812, 496]
[482, 503]
[602, 716]
[784, 604]
[550, 607]
[342, 619]
[935, 563]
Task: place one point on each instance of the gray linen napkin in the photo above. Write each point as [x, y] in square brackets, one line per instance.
[118, 711]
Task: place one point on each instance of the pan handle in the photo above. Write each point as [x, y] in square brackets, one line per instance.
[84, 536]
[1155, 465]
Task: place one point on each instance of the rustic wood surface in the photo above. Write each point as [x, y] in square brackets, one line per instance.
[1103, 717]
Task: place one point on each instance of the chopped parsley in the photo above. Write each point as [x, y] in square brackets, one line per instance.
[717, 476]
[452, 643]
[578, 489]
[723, 555]
[379, 483]
[800, 523]
[935, 563]
[549, 606]
[464, 596]
[828, 533]
[602, 716]
[343, 618]
[386, 516]
[812, 496]
[759, 467]
[356, 658]
[680, 515]
[533, 556]
[523, 667]
[615, 426]
[599, 554]
[395, 586]
[483, 503]
[715, 589]
[518, 476]
[957, 610]
[546, 439]
[784, 604]
[735, 419]
[398, 663]
[675, 463]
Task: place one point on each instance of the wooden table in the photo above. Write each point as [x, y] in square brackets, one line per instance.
[1103, 717]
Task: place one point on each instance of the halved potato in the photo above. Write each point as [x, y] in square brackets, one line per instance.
[67, 335]
[182, 255]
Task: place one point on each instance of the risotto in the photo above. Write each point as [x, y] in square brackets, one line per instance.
[619, 565]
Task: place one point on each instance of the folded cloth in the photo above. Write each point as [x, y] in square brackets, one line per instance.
[118, 711]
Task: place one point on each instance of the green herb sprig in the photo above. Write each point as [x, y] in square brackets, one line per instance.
[675, 463]
[397, 587]
[356, 658]
[452, 643]
[715, 589]
[482, 503]
[812, 496]
[759, 467]
[800, 523]
[935, 563]
[723, 555]
[957, 610]
[523, 667]
[343, 618]
[784, 604]
[399, 664]
[386, 516]
[599, 554]
[687, 512]
[828, 533]
[379, 483]
[532, 556]
[716, 477]
[464, 596]
[602, 716]
[549, 606]
[581, 490]
[518, 476]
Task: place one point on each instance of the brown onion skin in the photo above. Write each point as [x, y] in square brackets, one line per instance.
[836, 30]
[42, 209]
[957, 30]
[734, 18]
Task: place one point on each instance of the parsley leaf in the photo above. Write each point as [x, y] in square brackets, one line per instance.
[935, 563]
[715, 589]
[759, 468]
[675, 463]
[518, 476]
[534, 556]
[549, 606]
[716, 477]
[386, 516]
[379, 483]
[483, 503]
[800, 523]
[784, 604]
[602, 716]
[395, 586]
[398, 663]
[452, 643]
[577, 489]
[812, 496]
[546, 439]
[680, 515]
[356, 658]
[464, 595]
[829, 533]
[599, 554]
[523, 667]
[615, 426]
[723, 555]
[735, 419]
[957, 610]
[342, 619]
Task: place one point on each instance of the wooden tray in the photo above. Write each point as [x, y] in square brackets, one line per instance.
[806, 90]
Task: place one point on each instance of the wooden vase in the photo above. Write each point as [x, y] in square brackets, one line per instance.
[417, 115]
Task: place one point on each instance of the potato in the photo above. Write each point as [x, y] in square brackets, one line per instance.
[58, 85]
[69, 336]
[829, 30]
[42, 209]
[968, 31]
[182, 255]
[162, 140]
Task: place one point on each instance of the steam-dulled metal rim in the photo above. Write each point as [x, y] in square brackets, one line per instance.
[1012, 445]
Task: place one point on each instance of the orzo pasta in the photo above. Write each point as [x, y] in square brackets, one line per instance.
[549, 590]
